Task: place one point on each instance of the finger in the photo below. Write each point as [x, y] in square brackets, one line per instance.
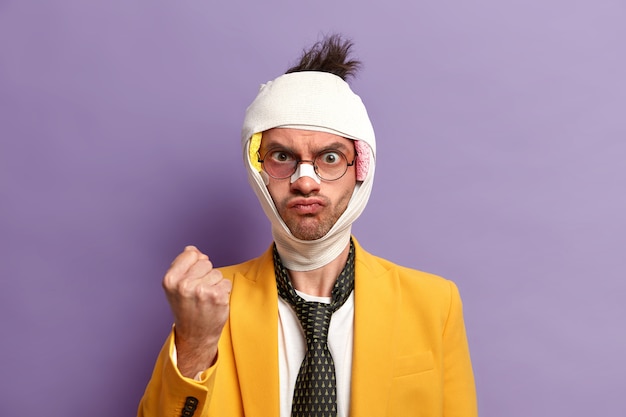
[185, 260]
[213, 277]
[221, 291]
[199, 269]
[212, 288]
[179, 268]
[192, 248]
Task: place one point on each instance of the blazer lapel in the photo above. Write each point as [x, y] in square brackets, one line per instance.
[254, 330]
[375, 312]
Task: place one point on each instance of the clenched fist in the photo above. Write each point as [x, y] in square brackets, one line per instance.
[199, 297]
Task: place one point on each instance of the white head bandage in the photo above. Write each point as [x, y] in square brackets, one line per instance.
[317, 101]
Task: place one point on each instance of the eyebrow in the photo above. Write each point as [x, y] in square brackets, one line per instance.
[339, 146]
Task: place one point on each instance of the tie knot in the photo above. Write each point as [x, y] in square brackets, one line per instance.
[315, 320]
[344, 285]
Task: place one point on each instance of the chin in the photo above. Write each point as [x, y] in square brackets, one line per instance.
[308, 234]
[309, 229]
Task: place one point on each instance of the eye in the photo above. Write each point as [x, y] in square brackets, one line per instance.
[281, 156]
[329, 158]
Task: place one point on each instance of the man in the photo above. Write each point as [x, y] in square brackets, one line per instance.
[315, 326]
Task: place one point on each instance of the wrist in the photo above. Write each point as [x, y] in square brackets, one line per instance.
[194, 357]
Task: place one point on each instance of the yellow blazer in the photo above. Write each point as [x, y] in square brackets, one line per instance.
[410, 353]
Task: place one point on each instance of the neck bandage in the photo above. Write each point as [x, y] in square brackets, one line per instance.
[318, 101]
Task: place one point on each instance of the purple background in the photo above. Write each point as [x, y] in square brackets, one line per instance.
[501, 131]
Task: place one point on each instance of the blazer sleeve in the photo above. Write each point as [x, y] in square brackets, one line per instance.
[170, 394]
[459, 389]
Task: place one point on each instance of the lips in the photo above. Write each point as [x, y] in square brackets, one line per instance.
[306, 205]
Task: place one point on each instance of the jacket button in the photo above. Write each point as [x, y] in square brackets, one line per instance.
[191, 403]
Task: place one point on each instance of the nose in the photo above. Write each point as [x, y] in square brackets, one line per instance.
[304, 181]
[305, 169]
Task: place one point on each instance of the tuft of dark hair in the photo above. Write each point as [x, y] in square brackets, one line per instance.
[332, 54]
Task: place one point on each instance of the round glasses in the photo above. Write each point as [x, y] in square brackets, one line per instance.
[329, 165]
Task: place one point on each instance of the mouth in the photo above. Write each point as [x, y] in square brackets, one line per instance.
[306, 205]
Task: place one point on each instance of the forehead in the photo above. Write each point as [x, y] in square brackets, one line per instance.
[303, 140]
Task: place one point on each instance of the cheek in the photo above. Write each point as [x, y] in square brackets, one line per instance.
[274, 188]
[271, 189]
[350, 180]
[348, 189]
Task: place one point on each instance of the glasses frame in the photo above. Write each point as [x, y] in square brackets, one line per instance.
[312, 162]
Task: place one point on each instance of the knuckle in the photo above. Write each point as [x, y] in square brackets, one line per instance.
[216, 276]
[226, 285]
[203, 292]
[185, 287]
[169, 281]
[211, 294]
[205, 264]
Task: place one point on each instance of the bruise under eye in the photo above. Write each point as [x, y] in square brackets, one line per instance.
[329, 157]
[280, 156]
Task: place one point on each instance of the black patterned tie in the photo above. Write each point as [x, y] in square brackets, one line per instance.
[315, 393]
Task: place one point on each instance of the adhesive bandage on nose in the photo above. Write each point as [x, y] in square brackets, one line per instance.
[305, 170]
